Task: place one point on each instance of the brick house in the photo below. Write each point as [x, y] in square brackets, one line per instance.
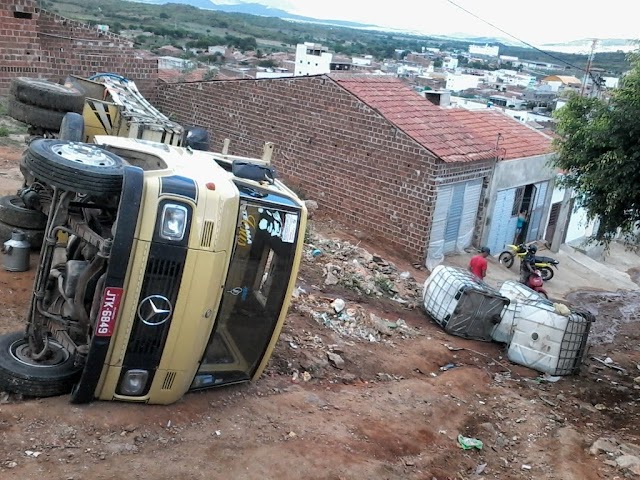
[37, 43]
[371, 151]
[378, 156]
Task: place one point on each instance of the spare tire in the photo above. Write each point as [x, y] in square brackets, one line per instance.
[72, 127]
[20, 374]
[35, 116]
[46, 94]
[76, 167]
[14, 212]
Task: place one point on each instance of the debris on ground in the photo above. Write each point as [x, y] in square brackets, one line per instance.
[625, 456]
[468, 443]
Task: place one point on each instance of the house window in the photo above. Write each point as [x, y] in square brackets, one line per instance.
[24, 15]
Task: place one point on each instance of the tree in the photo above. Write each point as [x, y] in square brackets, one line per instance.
[599, 151]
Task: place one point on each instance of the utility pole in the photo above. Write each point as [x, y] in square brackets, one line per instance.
[594, 43]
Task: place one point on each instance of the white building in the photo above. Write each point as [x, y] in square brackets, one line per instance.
[512, 77]
[221, 49]
[362, 61]
[460, 82]
[406, 70]
[312, 59]
[165, 63]
[450, 63]
[508, 58]
[485, 50]
[611, 82]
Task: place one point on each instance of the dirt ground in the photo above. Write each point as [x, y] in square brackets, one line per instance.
[388, 412]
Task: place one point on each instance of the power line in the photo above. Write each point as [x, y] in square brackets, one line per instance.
[522, 41]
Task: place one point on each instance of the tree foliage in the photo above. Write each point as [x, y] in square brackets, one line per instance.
[599, 151]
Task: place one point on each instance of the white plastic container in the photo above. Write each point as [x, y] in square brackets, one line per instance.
[522, 301]
[549, 342]
[461, 304]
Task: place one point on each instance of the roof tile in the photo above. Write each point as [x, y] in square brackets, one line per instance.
[454, 135]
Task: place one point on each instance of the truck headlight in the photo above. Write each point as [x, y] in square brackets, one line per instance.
[174, 221]
[134, 382]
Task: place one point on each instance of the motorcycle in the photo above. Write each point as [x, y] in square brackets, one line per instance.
[535, 283]
[544, 264]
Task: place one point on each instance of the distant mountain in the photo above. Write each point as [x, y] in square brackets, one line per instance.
[604, 42]
[255, 9]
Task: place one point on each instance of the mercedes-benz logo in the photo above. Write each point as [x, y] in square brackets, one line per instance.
[155, 310]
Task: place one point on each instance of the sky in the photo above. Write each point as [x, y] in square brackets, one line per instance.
[538, 22]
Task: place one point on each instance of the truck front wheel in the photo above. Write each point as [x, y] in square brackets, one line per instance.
[19, 373]
[76, 167]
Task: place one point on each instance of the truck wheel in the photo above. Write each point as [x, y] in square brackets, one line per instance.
[76, 167]
[46, 94]
[35, 116]
[72, 127]
[35, 237]
[546, 273]
[14, 212]
[506, 259]
[21, 374]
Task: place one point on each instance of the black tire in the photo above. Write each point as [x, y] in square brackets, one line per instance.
[506, 258]
[546, 273]
[35, 116]
[72, 127]
[46, 94]
[19, 374]
[14, 212]
[34, 236]
[76, 167]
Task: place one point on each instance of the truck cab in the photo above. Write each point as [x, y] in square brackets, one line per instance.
[164, 269]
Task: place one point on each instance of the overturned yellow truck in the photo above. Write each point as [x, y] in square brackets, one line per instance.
[164, 269]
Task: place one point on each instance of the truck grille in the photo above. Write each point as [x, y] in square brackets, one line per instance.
[161, 280]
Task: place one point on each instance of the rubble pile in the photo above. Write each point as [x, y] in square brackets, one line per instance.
[354, 268]
[357, 269]
[354, 322]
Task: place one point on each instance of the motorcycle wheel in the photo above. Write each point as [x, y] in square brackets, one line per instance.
[546, 273]
[506, 259]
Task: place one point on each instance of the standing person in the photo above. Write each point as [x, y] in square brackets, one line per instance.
[522, 219]
[528, 264]
[478, 263]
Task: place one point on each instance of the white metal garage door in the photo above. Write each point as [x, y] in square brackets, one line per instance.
[502, 228]
[453, 219]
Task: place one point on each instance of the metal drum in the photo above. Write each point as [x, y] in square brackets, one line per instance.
[16, 252]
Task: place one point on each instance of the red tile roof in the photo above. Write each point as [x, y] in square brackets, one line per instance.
[517, 140]
[454, 135]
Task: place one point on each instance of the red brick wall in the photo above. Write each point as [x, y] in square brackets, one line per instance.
[329, 145]
[50, 46]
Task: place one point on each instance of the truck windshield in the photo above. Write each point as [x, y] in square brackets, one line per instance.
[255, 288]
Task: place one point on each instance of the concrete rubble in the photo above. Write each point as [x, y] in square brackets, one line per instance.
[368, 275]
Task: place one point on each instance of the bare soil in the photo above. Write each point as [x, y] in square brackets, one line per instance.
[390, 412]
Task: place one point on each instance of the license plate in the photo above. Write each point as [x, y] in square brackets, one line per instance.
[106, 321]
